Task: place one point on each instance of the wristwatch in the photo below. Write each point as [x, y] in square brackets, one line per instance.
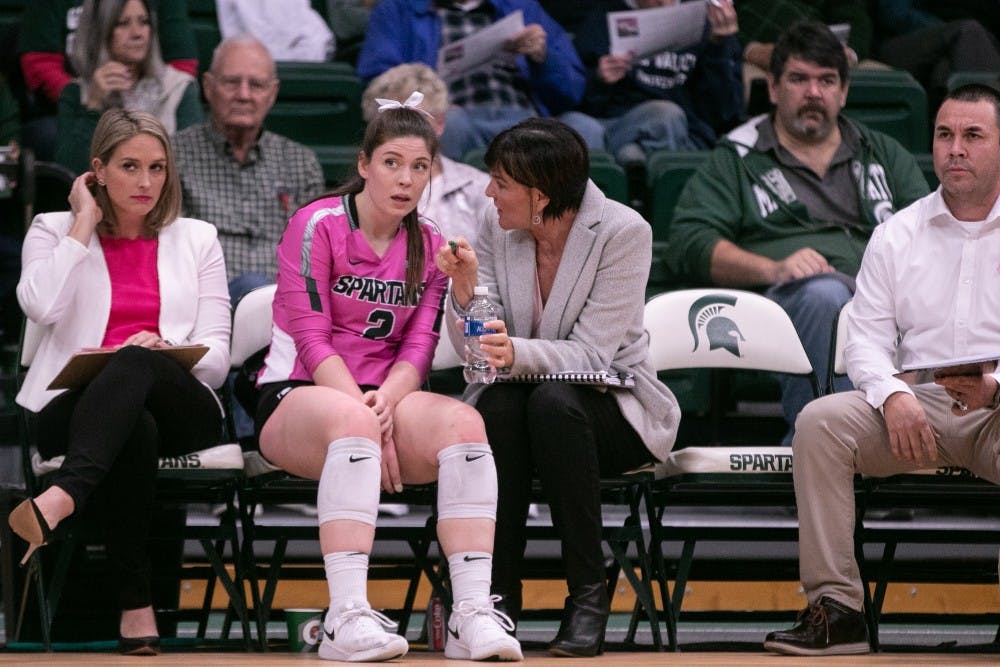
[995, 401]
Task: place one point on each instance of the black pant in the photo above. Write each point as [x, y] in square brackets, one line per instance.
[141, 406]
[571, 435]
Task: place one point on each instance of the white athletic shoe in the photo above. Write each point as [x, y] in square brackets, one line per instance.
[479, 632]
[357, 634]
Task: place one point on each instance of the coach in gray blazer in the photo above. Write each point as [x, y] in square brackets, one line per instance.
[568, 268]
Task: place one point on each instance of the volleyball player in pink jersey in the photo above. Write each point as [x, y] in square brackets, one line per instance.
[356, 319]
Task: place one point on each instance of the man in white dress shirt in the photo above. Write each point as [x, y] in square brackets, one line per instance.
[928, 291]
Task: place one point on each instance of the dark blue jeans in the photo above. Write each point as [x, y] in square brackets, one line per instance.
[812, 304]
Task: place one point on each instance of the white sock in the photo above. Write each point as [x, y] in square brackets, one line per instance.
[471, 572]
[347, 577]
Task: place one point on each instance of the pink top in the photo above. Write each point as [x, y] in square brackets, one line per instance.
[135, 288]
[337, 297]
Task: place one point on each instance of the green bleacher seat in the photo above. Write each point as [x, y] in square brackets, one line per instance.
[318, 104]
[666, 173]
[205, 26]
[890, 101]
[962, 78]
[338, 162]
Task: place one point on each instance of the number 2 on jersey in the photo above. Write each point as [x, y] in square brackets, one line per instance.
[381, 321]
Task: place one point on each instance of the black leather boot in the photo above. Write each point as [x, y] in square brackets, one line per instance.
[585, 618]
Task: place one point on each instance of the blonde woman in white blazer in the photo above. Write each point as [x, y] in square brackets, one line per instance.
[568, 269]
[121, 271]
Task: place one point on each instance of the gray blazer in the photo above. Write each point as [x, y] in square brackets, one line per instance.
[593, 317]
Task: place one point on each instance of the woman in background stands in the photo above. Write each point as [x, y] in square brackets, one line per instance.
[568, 267]
[117, 56]
[122, 271]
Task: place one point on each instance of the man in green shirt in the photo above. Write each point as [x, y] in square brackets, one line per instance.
[787, 201]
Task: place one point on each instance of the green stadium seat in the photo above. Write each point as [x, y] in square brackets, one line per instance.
[667, 173]
[318, 103]
[962, 78]
[205, 26]
[338, 162]
[890, 101]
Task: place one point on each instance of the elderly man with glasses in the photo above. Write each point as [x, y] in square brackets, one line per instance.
[237, 175]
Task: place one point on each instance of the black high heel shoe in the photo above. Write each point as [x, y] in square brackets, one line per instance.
[585, 618]
[139, 645]
[27, 522]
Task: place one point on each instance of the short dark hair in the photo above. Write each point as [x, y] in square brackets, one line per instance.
[546, 154]
[977, 92]
[810, 41]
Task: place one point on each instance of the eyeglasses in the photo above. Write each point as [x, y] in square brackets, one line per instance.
[231, 84]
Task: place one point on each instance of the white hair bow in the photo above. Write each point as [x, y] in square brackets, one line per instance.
[412, 102]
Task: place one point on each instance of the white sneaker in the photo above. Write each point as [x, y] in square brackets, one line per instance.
[357, 634]
[479, 632]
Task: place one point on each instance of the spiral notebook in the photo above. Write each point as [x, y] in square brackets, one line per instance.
[612, 378]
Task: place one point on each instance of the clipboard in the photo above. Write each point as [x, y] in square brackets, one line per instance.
[85, 364]
[954, 368]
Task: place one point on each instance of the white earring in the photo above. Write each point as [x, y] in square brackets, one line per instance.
[537, 220]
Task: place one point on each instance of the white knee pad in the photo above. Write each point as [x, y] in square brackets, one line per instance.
[349, 486]
[467, 482]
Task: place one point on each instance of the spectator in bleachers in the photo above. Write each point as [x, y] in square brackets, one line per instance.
[291, 29]
[455, 198]
[568, 267]
[539, 74]
[117, 56]
[349, 20]
[674, 100]
[356, 318]
[763, 21]
[931, 49]
[787, 201]
[46, 41]
[235, 174]
[927, 293]
[121, 271]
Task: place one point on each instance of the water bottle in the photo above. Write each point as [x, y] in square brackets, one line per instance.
[479, 312]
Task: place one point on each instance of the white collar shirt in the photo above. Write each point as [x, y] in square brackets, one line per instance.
[928, 292]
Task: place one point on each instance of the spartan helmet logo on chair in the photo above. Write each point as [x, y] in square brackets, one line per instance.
[708, 313]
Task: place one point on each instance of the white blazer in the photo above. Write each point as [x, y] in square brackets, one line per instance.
[65, 288]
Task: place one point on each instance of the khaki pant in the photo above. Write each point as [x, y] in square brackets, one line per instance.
[839, 435]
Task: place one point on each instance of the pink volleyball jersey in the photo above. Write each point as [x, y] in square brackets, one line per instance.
[335, 296]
